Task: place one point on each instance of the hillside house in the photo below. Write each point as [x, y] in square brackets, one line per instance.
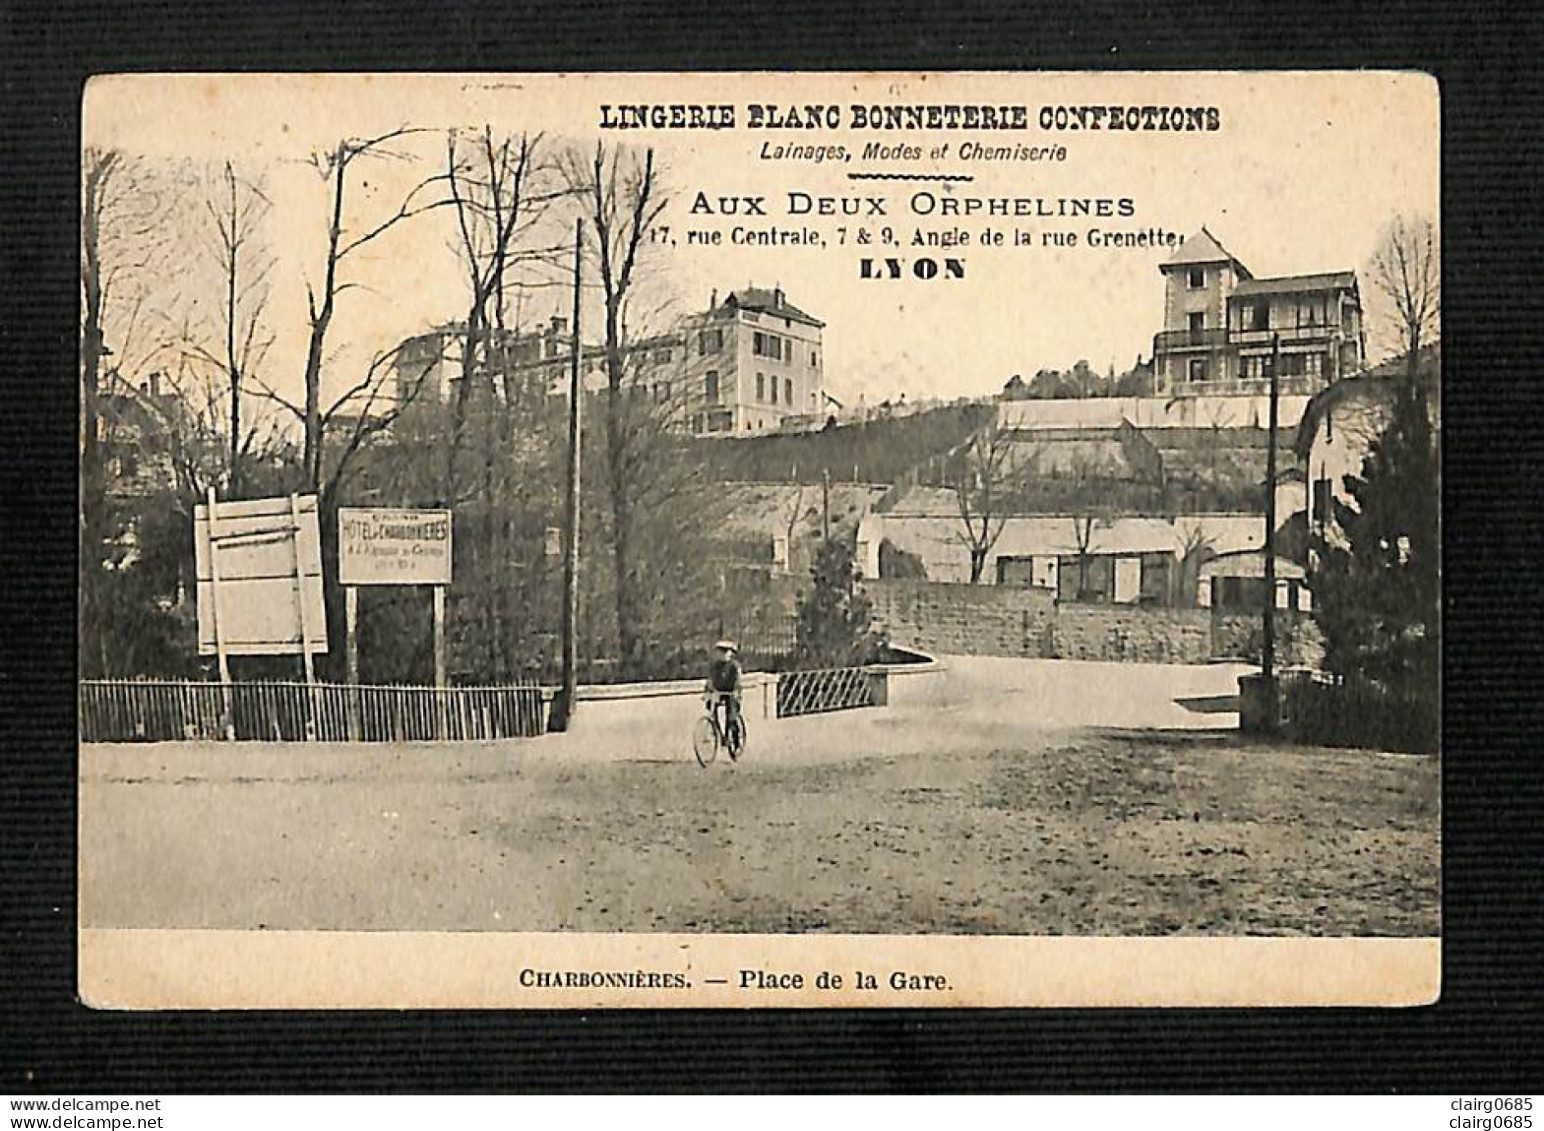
[1221, 324]
[1341, 422]
[135, 433]
[748, 365]
[759, 364]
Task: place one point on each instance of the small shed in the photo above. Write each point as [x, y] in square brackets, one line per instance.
[1235, 582]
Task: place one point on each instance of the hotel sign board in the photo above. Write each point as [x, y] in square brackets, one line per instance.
[393, 547]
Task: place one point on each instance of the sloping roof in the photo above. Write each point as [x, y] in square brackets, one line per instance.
[938, 508]
[770, 301]
[1250, 563]
[1297, 284]
[1378, 382]
[1203, 247]
[1428, 363]
[766, 508]
[119, 402]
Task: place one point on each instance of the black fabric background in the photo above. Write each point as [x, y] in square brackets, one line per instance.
[1484, 1036]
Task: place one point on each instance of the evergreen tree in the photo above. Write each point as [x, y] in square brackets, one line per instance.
[145, 624]
[1378, 584]
[834, 615]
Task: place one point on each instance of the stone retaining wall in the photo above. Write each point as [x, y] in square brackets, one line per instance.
[967, 620]
[1001, 620]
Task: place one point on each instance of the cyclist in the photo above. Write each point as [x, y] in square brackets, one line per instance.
[724, 682]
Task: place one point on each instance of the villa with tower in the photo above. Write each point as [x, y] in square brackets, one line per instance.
[1221, 324]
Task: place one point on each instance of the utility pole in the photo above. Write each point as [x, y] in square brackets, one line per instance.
[1268, 636]
[563, 702]
[825, 505]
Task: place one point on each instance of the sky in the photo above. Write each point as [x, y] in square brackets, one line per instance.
[1301, 176]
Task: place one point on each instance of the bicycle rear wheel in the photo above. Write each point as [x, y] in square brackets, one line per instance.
[734, 741]
[705, 740]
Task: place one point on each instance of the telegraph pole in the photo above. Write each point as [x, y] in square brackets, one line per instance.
[825, 505]
[563, 702]
[1268, 636]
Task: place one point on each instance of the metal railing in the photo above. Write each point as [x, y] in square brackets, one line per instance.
[829, 689]
[1187, 339]
[1166, 340]
[1319, 332]
[164, 710]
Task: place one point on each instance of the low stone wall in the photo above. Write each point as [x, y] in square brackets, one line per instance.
[1131, 633]
[912, 684]
[967, 620]
[1001, 620]
[1299, 643]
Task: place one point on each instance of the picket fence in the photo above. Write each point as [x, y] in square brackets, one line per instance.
[176, 710]
[167, 710]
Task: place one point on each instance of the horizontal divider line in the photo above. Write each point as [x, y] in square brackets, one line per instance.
[910, 177]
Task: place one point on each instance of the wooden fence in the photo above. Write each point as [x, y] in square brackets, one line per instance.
[162, 711]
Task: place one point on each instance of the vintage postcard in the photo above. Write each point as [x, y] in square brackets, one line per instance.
[736, 540]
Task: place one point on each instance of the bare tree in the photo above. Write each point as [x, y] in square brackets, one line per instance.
[1197, 547]
[236, 209]
[1083, 527]
[676, 513]
[621, 197]
[354, 419]
[342, 242]
[501, 192]
[127, 227]
[1089, 514]
[98, 174]
[796, 510]
[983, 479]
[487, 189]
[126, 214]
[1406, 269]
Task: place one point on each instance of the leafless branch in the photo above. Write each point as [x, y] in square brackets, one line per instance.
[1406, 270]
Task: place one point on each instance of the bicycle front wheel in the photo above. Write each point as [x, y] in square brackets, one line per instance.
[705, 740]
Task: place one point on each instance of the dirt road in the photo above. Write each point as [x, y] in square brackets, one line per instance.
[959, 826]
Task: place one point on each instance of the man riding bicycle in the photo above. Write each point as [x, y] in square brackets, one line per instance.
[724, 682]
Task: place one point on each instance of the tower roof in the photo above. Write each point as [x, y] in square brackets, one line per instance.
[1203, 247]
[771, 301]
[1299, 284]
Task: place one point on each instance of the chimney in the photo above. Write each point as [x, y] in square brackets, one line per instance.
[777, 294]
[713, 301]
[155, 383]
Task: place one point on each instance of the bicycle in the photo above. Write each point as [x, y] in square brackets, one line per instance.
[709, 734]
